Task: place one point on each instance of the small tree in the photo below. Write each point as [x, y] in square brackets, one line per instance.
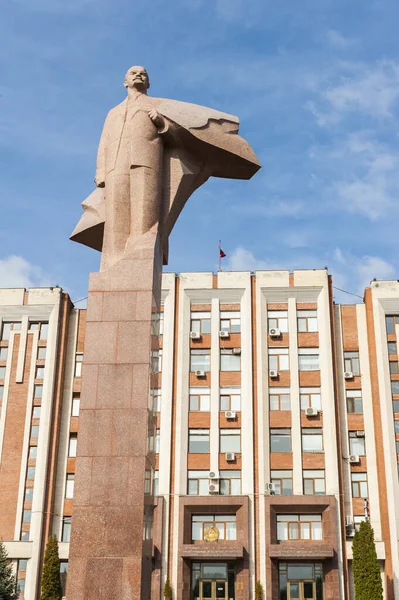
[51, 579]
[366, 570]
[8, 582]
[167, 589]
[258, 590]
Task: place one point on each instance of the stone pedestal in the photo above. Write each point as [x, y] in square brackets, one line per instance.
[111, 545]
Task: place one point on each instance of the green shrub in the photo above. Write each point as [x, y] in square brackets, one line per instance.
[167, 589]
[258, 590]
[51, 579]
[366, 570]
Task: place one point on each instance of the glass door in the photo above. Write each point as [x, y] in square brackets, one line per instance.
[213, 589]
[301, 590]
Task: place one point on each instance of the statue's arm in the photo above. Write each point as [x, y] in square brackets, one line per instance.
[99, 179]
[164, 126]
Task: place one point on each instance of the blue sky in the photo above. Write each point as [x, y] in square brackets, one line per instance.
[315, 84]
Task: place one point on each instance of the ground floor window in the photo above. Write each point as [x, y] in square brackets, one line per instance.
[213, 581]
[224, 526]
[301, 581]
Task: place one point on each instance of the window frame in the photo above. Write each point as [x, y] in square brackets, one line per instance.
[275, 353]
[206, 367]
[352, 363]
[235, 358]
[308, 320]
[194, 431]
[307, 352]
[275, 320]
[301, 520]
[229, 433]
[308, 478]
[279, 393]
[351, 399]
[198, 480]
[227, 317]
[307, 432]
[203, 318]
[352, 435]
[280, 479]
[214, 520]
[305, 393]
[204, 399]
[356, 485]
[281, 434]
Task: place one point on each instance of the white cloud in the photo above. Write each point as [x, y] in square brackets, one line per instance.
[336, 39]
[244, 260]
[355, 273]
[16, 272]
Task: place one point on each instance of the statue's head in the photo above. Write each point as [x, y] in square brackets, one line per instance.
[137, 78]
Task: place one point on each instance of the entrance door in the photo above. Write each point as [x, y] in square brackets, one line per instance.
[213, 589]
[301, 590]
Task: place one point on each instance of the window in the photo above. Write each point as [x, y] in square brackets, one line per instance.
[357, 519]
[66, 529]
[27, 516]
[161, 316]
[226, 525]
[41, 353]
[279, 359]
[390, 323]
[394, 386]
[24, 537]
[7, 328]
[1, 392]
[32, 452]
[199, 399]
[2, 372]
[280, 440]
[34, 432]
[230, 399]
[308, 359]
[314, 482]
[200, 359]
[29, 494]
[359, 485]
[75, 405]
[63, 575]
[395, 406]
[37, 391]
[3, 353]
[198, 441]
[393, 367]
[230, 321]
[155, 482]
[200, 322]
[21, 585]
[307, 320]
[157, 440]
[36, 412]
[356, 443]
[78, 365]
[310, 398]
[277, 319]
[22, 564]
[156, 400]
[312, 439]
[156, 360]
[73, 442]
[230, 440]
[30, 473]
[279, 399]
[299, 527]
[392, 349]
[229, 360]
[230, 483]
[39, 373]
[396, 424]
[282, 482]
[354, 402]
[70, 482]
[43, 331]
[197, 483]
[351, 362]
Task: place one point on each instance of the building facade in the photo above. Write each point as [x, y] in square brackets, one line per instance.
[277, 433]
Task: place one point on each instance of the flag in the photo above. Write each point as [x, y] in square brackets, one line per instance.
[221, 253]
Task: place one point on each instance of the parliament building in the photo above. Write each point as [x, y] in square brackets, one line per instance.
[277, 434]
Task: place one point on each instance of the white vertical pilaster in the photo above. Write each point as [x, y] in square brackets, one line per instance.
[22, 349]
[215, 362]
[296, 440]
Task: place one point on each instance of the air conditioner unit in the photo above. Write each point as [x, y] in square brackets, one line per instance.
[350, 531]
[213, 488]
[270, 489]
[354, 459]
[213, 474]
[311, 412]
[273, 374]
[194, 335]
[348, 375]
[236, 350]
[230, 414]
[200, 373]
[360, 434]
[224, 334]
[230, 456]
[274, 332]
[349, 521]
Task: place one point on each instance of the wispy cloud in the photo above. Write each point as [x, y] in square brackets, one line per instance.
[16, 271]
[338, 40]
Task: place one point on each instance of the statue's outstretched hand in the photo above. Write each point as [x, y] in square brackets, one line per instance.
[99, 183]
[156, 118]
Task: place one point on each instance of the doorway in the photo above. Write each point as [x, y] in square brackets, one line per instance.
[301, 590]
[213, 589]
[213, 581]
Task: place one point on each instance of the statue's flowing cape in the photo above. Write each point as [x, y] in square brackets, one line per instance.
[207, 145]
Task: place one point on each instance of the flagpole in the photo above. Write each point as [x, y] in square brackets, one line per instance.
[219, 261]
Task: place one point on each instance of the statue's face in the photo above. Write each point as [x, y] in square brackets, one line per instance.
[137, 78]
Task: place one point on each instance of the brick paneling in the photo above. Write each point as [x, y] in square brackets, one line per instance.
[281, 460]
[280, 418]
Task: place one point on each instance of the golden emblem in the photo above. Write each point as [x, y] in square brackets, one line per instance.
[211, 534]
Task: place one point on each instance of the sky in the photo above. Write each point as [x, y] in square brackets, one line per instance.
[315, 84]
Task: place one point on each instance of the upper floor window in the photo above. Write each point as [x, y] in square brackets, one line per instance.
[230, 360]
[230, 483]
[157, 440]
[392, 349]
[230, 321]
[199, 399]
[226, 525]
[314, 482]
[354, 402]
[66, 529]
[277, 319]
[351, 362]
[78, 364]
[34, 432]
[393, 367]
[156, 360]
[282, 480]
[200, 322]
[155, 483]
[3, 353]
[2, 372]
[41, 352]
[197, 483]
[307, 320]
[279, 399]
[36, 412]
[7, 328]
[396, 424]
[1, 392]
[37, 391]
[69, 485]
[394, 388]
[156, 399]
[279, 359]
[359, 485]
[395, 406]
[310, 397]
[312, 439]
[75, 405]
[356, 443]
[198, 441]
[230, 440]
[200, 359]
[308, 359]
[280, 440]
[299, 527]
[161, 323]
[73, 442]
[39, 373]
[230, 399]
[41, 327]
[390, 323]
